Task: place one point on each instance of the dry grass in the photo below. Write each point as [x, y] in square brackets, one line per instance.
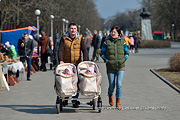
[173, 77]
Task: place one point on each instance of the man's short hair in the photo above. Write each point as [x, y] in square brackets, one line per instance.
[26, 33]
[85, 33]
[1, 45]
[73, 24]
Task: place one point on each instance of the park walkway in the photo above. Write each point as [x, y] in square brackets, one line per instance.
[144, 95]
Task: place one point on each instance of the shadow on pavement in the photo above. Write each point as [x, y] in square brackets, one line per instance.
[48, 109]
[33, 109]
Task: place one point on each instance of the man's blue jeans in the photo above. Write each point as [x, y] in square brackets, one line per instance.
[22, 59]
[76, 96]
[112, 79]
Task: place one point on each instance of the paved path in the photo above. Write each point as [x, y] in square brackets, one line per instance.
[144, 95]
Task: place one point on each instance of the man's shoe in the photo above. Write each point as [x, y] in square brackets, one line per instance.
[40, 68]
[44, 70]
[65, 102]
[76, 104]
[28, 79]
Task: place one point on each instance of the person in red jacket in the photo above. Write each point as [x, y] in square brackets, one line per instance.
[44, 42]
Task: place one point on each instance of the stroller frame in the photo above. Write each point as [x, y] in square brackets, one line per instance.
[94, 101]
[60, 102]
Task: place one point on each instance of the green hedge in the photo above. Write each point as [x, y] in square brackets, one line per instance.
[154, 44]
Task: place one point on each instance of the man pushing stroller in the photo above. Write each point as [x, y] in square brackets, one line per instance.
[70, 49]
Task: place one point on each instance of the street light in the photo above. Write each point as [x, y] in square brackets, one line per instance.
[67, 24]
[79, 28]
[63, 20]
[173, 32]
[89, 32]
[52, 17]
[38, 12]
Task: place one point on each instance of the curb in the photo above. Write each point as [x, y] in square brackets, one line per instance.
[166, 81]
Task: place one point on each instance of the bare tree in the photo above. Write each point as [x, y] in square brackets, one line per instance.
[127, 21]
[164, 14]
[20, 13]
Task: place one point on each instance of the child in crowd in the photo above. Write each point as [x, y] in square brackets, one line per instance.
[131, 44]
[12, 52]
[127, 41]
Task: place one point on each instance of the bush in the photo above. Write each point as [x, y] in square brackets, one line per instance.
[174, 62]
[154, 44]
[177, 40]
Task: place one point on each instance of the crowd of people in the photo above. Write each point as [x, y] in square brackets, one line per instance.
[71, 46]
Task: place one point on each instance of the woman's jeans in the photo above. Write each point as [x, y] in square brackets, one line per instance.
[28, 60]
[112, 79]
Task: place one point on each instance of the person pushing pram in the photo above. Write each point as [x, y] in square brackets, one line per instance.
[71, 49]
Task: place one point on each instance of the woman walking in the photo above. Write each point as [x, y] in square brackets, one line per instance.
[115, 53]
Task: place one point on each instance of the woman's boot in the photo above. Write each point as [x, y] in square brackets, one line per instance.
[111, 100]
[118, 103]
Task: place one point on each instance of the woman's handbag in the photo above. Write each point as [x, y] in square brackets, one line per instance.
[49, 52]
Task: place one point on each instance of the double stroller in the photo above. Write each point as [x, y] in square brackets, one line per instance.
[67, 86]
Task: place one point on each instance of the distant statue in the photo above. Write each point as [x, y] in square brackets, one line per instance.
[145, 13]
[146, 25]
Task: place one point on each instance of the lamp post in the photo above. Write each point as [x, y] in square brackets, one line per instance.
[173, 32]
[52, 17]
[63, 20]
[38, 12]
[67, 24]
[88, 30]
[79, 28]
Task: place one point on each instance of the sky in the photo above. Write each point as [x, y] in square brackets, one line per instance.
[107, 8]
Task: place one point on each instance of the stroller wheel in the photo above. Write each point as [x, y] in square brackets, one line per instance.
[51, 65]
[99, 104]
[94, 104]
[58, 108]
[61, 105]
